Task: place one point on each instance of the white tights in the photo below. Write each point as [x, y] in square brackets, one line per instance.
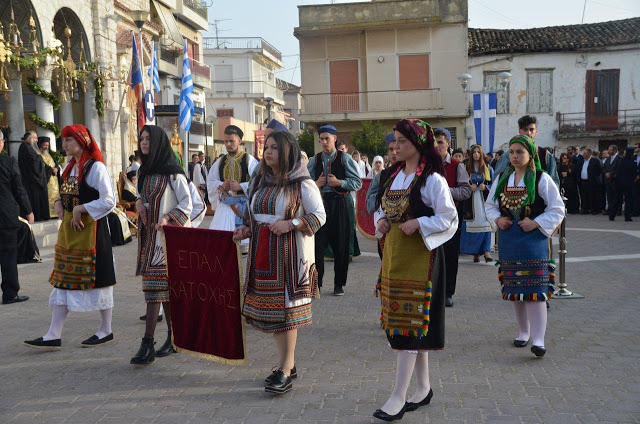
[59, 314]
[532, 321]
[407, 362]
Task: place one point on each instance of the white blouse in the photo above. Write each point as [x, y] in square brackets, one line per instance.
[213, 177]
[439, 228]
[99, 179]
[198, 206]
[547, 190]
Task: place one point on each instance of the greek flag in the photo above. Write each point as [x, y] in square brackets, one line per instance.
[153, 70]
[186, 93]
[484, 118]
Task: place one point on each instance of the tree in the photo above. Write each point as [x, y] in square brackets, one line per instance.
[370, 140]
[305, 141]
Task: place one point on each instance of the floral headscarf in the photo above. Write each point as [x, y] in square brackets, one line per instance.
[421, 135]
[91, 150]
[529, 176]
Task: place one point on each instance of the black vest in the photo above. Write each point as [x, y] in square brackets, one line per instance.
[244, 164]
[336, 167]
[530, 211]
[417, 207]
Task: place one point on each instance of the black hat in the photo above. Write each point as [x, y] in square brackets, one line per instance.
[232, 129]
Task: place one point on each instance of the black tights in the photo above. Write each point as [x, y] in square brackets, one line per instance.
[152, 318]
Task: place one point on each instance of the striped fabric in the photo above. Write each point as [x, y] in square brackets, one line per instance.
[297, 317]
[186, 93]
[153, 70]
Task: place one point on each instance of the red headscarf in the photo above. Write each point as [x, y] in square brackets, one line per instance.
[88, 144]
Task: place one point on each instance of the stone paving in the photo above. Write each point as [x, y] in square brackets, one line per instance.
[346, 370]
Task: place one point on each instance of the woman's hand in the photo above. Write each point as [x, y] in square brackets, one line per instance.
[473, 187]
[383, 226]
[528, 225]
[504, 223]
[57, 206]
[281, 227]
[564, 174]
[409, 227]
[161, 222]
[241, 233]
[142, 211]
[76, 221]
[482, 187]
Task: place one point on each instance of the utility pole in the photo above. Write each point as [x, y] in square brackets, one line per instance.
[216, 25]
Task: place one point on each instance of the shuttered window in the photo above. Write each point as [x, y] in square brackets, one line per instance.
[539, 91]
[414, 72]
[491, 83]
[344, 85]
[224, 113]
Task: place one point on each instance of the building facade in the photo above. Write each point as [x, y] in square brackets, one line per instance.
[383, 61]
[292, 105]
[580, 81]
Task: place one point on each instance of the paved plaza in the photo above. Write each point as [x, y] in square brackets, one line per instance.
[591, 373]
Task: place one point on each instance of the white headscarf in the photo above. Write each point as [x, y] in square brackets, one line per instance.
[373, 172]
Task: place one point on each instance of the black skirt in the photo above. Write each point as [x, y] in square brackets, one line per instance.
[434, 340]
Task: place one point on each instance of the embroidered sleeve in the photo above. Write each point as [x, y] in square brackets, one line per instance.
[180, 214]
[314, 214]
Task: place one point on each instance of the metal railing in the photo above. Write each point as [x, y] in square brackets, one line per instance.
[196, 6]
[576, 123]
[245, 87]
[248, 43]
[372, 101]
[199, 69]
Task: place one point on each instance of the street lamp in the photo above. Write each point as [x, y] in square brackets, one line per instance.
[269, 103]
[503, 80]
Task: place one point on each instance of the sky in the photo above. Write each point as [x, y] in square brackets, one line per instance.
[274, 20]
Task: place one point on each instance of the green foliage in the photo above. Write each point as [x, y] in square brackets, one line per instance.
[57, 156]
[305, 141]
[41, 92]
[370, 140]
[51, 126]
[99, 85]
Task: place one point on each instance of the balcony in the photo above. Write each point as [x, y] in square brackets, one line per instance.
[257, 44]
[579, 124]
[372, 104]
[247, 89]
[194, 13]
[197, 7]
[201, 73]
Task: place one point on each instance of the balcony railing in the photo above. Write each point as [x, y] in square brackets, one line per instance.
[196, 6]
[578, 124]
[264, 89]
[247, 43]
[372, 101]
[199, 69]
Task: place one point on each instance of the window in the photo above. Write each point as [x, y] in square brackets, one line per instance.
[344, 85]
[491, 83]
[414, 72]
[224, 113]
[539, 90]
[454, 137]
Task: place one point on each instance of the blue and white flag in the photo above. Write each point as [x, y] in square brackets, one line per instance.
[186, 108]
[484, 118]
[153, 70]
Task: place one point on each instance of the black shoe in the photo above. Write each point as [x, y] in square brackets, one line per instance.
[410, 406]
[611, 219]
[144, 318]
[448, 302]
[628, 220]
[38, 343]
[605, 212]
[166, 349]
[279, 384]
[338, 291]
[15, 300]
[95, 341]
[146, 354]
[488, 260]
[520, 343]
[539, 351]
[381, 415]
[293, 374]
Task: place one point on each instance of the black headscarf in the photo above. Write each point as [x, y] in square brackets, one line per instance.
[161, 160]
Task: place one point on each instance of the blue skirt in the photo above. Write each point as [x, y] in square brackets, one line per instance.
[526, 272]
[474, 243]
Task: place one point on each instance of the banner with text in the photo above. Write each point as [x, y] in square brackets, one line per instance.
[205, 293]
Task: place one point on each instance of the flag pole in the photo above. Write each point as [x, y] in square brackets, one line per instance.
[185, 154]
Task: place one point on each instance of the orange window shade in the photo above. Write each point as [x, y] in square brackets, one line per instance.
[343, 76]
[224, 113]
[414, 72]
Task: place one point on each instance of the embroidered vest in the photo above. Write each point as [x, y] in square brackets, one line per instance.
[511, 200]
[336, 167]
[237, 170]
[402, 205]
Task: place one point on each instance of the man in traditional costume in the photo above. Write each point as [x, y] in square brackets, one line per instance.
[200, 175]
[458, 180]
[163, 199]
[51, 174]
[34, 177]
[228, 182]
[336, 175]
[525, 207]
[416, 212]
[83, 273]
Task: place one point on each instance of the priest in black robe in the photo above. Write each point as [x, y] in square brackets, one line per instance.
[34, 176]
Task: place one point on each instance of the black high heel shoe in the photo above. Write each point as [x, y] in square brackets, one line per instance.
[166, 349]
[411, 406]
[381, 415]
[146, 354]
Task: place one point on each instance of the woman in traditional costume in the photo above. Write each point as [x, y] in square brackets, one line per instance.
[476, 230]
[163, 199]
[377, 167]
[83, 274]
[51, 170]
[285, 211]
[525, 207]
[417, 214]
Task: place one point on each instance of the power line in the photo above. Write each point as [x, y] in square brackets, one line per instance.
[498, 13]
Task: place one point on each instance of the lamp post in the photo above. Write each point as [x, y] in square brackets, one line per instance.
[503, 79]
[268, 101]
